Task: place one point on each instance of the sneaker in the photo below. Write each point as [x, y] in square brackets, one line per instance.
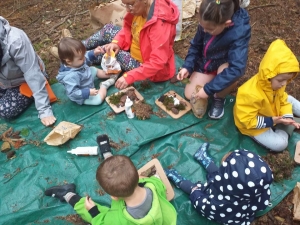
[66, 33]
[174, 177]
[54, 52]
[60, 191]
[217, 108]
[103, 143]
[201, 155]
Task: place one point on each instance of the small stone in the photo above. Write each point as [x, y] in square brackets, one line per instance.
[182, 103]
[5, 147]
[11, 155]
[175, 111]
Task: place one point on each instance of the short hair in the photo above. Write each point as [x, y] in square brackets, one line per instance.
[118, 176]
[218, 11]
[67, 48]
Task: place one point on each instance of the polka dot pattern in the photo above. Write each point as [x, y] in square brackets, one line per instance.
[232, 195]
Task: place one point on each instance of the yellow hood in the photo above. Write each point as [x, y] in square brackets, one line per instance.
[278, 59]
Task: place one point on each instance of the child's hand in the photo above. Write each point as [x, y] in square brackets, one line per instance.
[201, 94]
[121, 83]
[93, 91]
[89, 203]
[99, 50]
[285, 121]
[112, 47]
[183, 73]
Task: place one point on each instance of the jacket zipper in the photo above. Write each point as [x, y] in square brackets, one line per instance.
[206, 47]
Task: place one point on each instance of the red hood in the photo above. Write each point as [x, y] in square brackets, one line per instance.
[166, 10]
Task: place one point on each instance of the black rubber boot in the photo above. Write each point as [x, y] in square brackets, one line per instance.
[103, 143]
[60, 191]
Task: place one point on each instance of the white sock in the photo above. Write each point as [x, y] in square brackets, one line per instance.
[109, 82]
[107, 155]
[68, 196]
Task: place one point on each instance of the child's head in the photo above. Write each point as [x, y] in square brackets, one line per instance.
[71, 52]
[281, 80]
[215, 15]
[118, 176]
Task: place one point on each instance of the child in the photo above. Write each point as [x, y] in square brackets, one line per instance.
[234, 192]
[262, 102]
[218, 54]
[77, 76]
[134, 200]
[20, 64]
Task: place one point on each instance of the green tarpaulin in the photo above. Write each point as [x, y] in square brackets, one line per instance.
[39, 166]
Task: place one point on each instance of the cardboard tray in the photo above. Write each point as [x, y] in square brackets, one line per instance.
[181, 112]
[121, 109]
[161, 173]
[297, 153]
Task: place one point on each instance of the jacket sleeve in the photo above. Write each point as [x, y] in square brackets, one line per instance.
[195, 50]
[159, 56]
[72, 85]
[237, 60]
[123, 40]
[246, 111]
[286, 109]
[196, 199]
[26, 59]
[90, 57]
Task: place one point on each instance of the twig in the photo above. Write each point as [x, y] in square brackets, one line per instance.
[18, 171]
[261, 6]
[188, 25]
[30, 4]
[253, 24]
[33, 21]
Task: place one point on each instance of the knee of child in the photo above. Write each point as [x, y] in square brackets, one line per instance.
[222, 67]
[280, 146]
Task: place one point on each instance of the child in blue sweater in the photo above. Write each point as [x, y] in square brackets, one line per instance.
[76, 75]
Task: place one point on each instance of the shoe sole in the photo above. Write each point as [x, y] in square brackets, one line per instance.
[103, 143]
[219, 117]
[206, 148]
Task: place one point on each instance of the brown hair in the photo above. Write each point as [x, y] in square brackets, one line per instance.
[218, 11]
[67, 48]
[118, 176]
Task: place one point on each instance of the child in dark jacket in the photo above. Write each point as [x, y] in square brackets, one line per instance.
[76, 75]
[234, 192]
[135, 200]
[218, 54]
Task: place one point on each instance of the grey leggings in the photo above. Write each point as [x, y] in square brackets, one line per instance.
[277, 140]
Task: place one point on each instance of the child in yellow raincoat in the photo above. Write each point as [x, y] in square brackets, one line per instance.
[263, 110]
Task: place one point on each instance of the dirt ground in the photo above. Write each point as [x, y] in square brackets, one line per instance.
[43, 20]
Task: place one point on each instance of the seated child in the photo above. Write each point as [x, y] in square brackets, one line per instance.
[262, 103]
[77, 76]
[234, 192]
[134, 200]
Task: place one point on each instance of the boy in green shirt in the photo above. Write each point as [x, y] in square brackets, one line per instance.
[135, 200]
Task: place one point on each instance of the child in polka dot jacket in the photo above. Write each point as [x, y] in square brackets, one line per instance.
[234, 192]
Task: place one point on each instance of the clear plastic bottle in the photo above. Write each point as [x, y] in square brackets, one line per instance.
[91, 150]
[128, 108]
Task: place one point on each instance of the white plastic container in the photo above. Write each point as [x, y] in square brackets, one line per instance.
[128, 108]
[91, 150]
